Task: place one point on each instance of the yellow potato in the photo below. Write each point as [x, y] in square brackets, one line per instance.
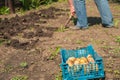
[77, 61]
[90, 59]
[70, 61]
[83, 60]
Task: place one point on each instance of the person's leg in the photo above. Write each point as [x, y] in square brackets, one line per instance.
[106, 15]
[80, 10]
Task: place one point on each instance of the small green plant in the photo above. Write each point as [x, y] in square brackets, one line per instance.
[8, 68]
[95, 41]
[79, 42]
[35, 3]
[4, 10]
[61, 0]
[107, 47]
[54, 53]
[20, 78]
[117, 39]
[109, 70]
[29, 4]
[58, 76]
[26, 4]
[116, 22]
[61, 29]
[21, 11]
[47, 1]
[24, 64]
[116, 71]
[115, 52]
[1, 41]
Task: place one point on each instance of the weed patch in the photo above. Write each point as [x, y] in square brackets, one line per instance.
[54, 53]
[20, 78]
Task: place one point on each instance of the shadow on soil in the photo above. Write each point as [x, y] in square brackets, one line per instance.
[94, 20]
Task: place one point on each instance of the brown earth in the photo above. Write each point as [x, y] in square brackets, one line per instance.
[33, 37]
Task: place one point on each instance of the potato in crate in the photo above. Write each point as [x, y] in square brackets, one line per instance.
[81, 64]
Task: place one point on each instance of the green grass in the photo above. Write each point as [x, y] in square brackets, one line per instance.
[58, 76]
[115, 52]
[54, 52]
[95, 41]
[109, 70]
[117, 39]
[107, 47]
[117, 71]
[2, 41]
[4, 10]
[79, 41]
[23, 64]
[19, 78]
[61, 29]
[116, 23]
[8, 68]
[21, 11]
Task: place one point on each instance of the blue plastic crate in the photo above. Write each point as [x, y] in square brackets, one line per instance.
[82, 72]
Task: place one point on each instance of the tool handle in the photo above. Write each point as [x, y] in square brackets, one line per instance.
[68, 21]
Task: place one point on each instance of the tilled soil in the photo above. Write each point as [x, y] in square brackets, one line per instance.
[34, 37]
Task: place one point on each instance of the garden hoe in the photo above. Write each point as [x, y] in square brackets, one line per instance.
[67, 22]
